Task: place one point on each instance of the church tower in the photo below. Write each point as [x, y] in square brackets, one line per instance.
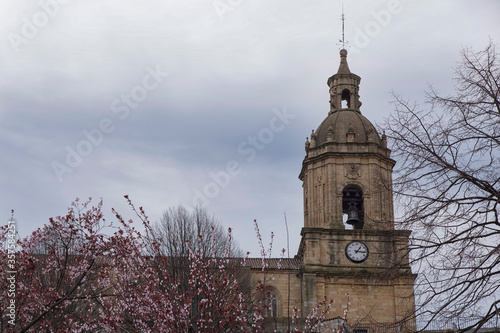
[349, 243]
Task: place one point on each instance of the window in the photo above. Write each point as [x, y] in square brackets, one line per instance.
[271, 303]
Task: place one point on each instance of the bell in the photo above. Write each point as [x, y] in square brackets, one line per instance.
[352, 217]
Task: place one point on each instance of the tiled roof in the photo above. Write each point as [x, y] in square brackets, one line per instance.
[274, 263]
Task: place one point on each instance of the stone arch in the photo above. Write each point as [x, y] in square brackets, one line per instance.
[345, 96]
[353, 204]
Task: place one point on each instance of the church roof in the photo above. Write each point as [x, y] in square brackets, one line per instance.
[274, 263]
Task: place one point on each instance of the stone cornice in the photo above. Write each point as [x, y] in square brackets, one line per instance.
[364, 232]
[325, 154]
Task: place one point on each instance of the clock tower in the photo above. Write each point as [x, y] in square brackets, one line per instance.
[349, 243]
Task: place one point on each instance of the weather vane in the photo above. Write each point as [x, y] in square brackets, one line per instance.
[343, 40]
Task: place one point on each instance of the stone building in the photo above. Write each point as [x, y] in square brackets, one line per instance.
[349, 244]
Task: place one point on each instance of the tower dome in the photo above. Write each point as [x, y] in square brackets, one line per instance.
[344, 122]
[345, 125]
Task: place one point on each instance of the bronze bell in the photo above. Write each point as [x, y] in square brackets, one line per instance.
[352, 214]
[352, 217]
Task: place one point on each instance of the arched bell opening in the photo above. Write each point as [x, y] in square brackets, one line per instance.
[346, 99]
[352, 206]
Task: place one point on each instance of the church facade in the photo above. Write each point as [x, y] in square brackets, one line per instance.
[350, 251]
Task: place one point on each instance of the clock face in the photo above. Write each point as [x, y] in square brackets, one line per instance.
[356, 251]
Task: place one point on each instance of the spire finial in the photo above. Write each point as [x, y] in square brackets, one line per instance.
[343, 41]
[344, 67]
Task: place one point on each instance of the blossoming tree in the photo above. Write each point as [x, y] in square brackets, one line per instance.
[81, 273]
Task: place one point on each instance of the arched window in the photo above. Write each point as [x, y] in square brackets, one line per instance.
[346, 99]
[270, 304]
[352, 206]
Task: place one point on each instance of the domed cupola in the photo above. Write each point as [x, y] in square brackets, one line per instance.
[345, 123]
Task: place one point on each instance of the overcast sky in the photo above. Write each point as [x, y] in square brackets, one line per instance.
[201, 101]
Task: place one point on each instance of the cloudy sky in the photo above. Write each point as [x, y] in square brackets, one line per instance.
[201, 101]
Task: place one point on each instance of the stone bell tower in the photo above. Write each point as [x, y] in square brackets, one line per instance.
[349, 243]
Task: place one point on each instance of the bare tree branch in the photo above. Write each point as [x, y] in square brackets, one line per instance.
[447, 186]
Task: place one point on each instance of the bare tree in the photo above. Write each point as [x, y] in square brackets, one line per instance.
[447, 185]
[204, 233]
[180, 231]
